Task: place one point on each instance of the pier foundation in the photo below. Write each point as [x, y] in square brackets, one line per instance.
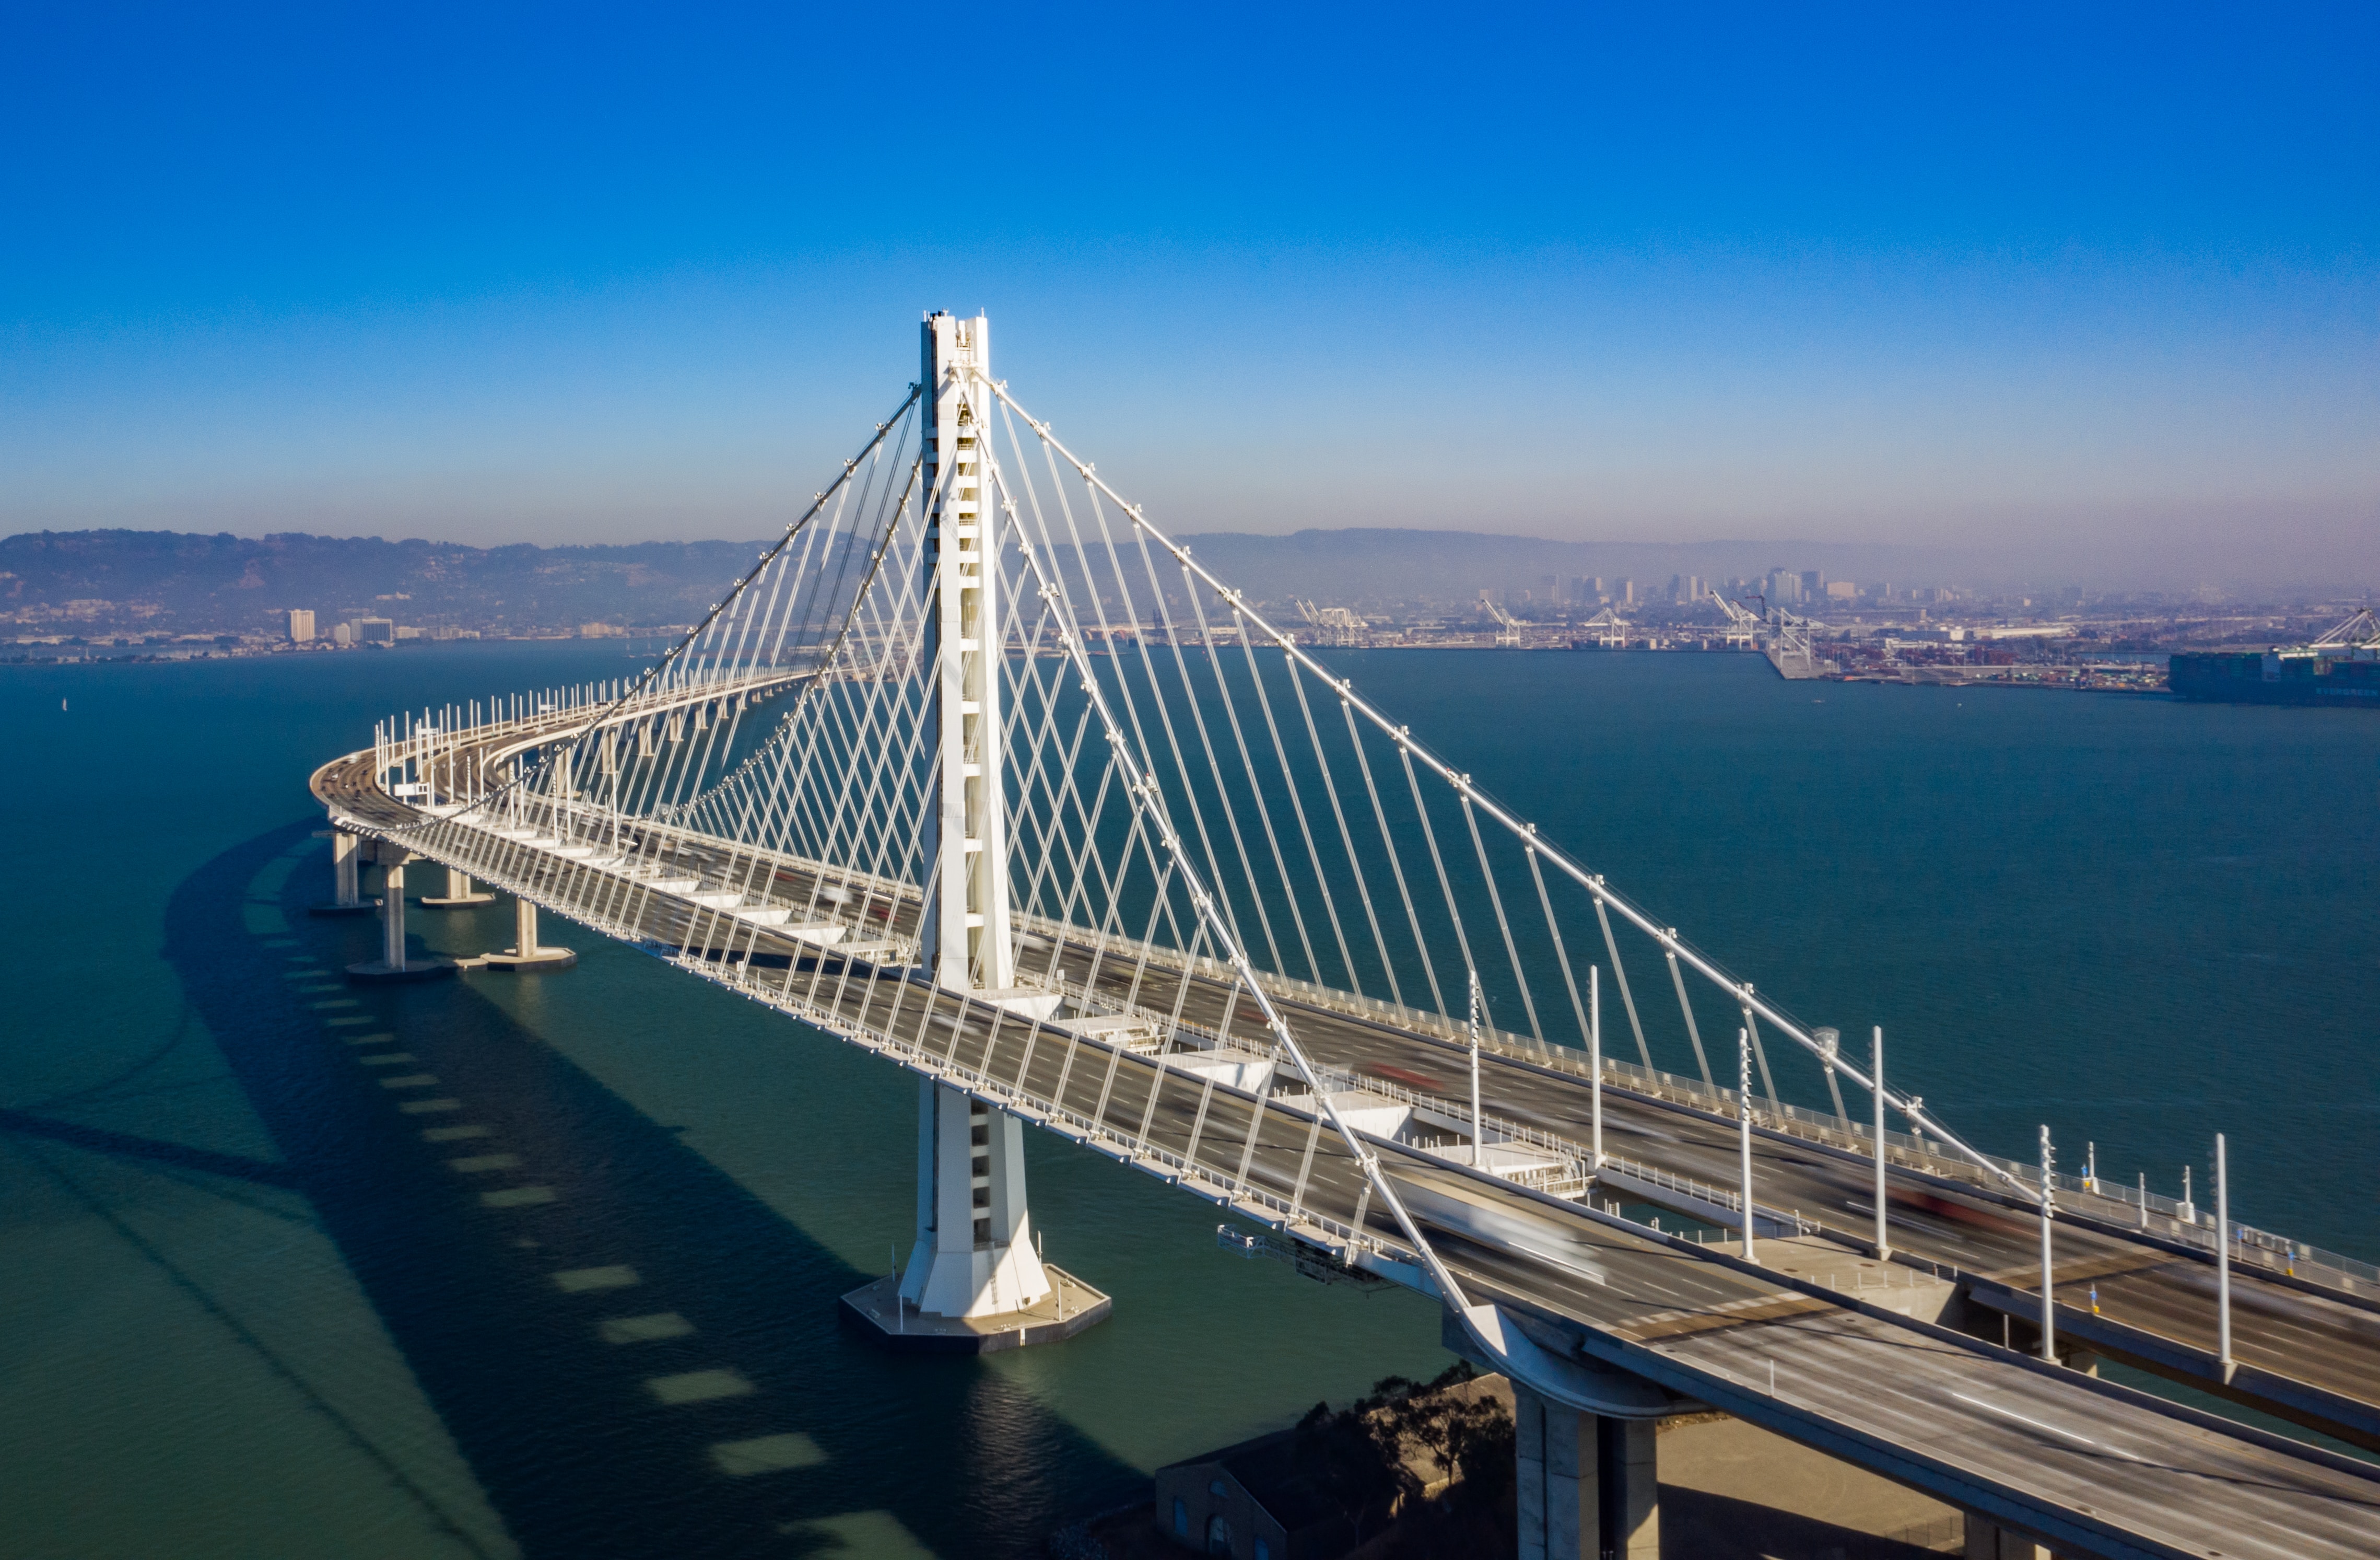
[974, 1281]
[526, 956]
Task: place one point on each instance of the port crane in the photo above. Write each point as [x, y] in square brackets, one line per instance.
[1785, 636]
[1743, 626]
[1332, 625]
[1609, 629]
[1508, 627]
[2360, 632]
[1790, 648]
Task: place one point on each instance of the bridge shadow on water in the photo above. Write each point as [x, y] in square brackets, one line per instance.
[574, 1445]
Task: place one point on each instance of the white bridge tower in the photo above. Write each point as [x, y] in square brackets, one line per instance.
[974, 1252]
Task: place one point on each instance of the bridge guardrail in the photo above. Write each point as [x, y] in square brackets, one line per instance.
[2178, 1221]
[2168, 1218]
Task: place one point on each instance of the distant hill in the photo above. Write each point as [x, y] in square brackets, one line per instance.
[132, 581]
[120, 582]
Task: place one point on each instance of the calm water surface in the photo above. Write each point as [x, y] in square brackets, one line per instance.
[246, 1311]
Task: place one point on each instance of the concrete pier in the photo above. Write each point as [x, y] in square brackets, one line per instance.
[526, 956]
[346, 872]
[392, 964]
[1069, 1306]
[1587, 1485]
[974, 1280]
[458, 894]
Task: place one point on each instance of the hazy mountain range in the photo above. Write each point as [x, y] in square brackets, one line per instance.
[125, 581]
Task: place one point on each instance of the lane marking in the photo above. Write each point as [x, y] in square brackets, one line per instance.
[517, 1197]
[351, 1019]
[452, 1134]
[387, 1059]
[411, 1080]
[2047, 1429]
[423, 1108]
[383, 1038]
[478, 1162]
[578, 1281]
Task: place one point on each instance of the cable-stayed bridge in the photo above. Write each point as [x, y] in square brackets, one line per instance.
[976, 769]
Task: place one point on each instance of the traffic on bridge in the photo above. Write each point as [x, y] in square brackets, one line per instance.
[976, 769]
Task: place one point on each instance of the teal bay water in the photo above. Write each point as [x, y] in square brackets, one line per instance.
[244, 1312]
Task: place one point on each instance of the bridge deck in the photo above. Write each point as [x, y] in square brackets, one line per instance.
[2318, 1355]
[2091, 1467]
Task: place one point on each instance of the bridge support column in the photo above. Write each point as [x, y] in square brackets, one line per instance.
[525, 954]
[392, 917]
[346, 872]
[1587, 1485]
[458, 892]
[974, 1281]
[973, 1252]
[392, 964]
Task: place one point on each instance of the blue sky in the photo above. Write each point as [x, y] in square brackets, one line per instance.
[2012, 279]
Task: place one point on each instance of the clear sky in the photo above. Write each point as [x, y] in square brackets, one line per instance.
[2064, 278]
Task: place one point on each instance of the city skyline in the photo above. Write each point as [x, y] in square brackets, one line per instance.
[2073, 291]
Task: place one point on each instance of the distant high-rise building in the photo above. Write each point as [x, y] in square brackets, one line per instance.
[343, 633]
[1783, 588]
[1628, 592]
[375, 631]
[301, 625]
[1842, 591]
[1813, 584]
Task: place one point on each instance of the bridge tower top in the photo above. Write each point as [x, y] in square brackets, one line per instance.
[965, 926]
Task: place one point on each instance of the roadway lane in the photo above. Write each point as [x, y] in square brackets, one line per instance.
[2310, 1357]
[2328, 1347]
[2103, 1473]
[1944, 1412]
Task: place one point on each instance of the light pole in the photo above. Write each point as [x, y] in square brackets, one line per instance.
[1743, 1123]
[2223, 1259]
[1478, 1146]
[1883, 1244]
[1594, 1058]
[2049, 1210]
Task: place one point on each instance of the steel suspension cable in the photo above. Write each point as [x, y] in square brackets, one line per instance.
[1709, 969]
